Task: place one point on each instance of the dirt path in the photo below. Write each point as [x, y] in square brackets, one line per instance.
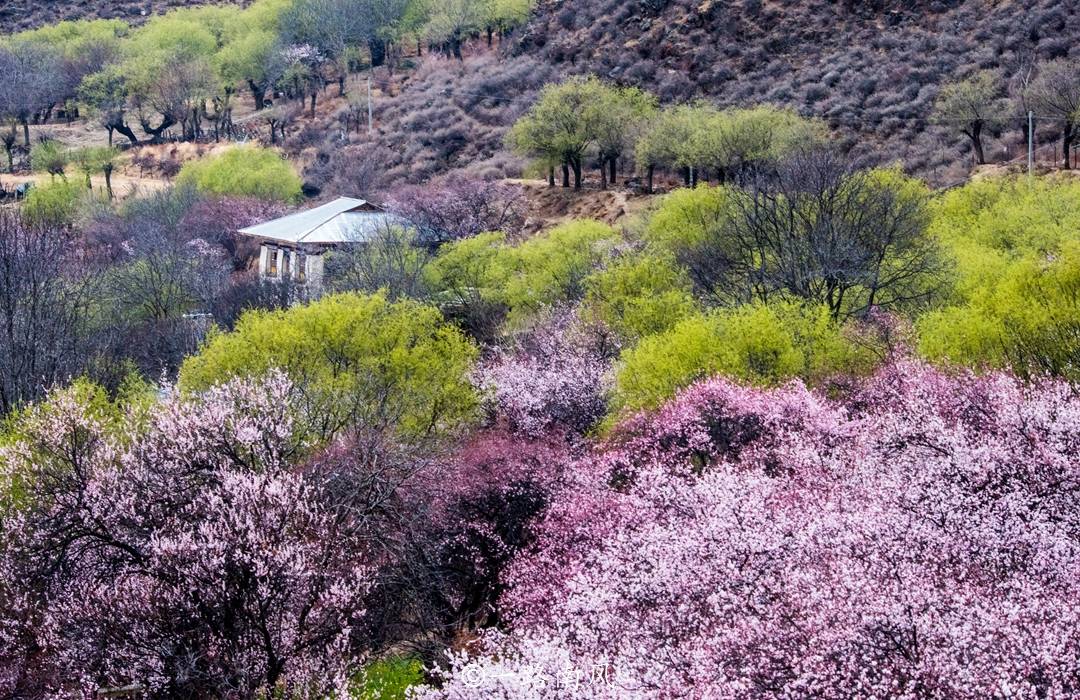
[551, 206]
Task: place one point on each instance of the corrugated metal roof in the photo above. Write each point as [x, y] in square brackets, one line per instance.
[343, 220]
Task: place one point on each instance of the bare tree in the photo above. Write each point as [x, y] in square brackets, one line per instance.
[44, 307]
[31, 81]
[454, 208]
[815, 229]
[165, 284]
[1022, 74]
[387, 259]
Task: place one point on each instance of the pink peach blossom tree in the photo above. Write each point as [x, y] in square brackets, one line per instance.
[919, 538]
[180, 552]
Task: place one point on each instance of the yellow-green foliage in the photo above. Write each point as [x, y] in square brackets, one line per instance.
[1016, 301]
[547, 269]
[552, 267]
[640, 296]
[467, 269]
[388, 679]
[165, 45]
[753, 343]
[684, 218]
[54, 204]
[75, 39]
[702, 136]
[735, 137]
[249, 171]
[50, 157]
[360, 359]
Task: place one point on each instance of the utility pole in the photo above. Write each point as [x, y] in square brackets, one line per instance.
[1031, 143]
[369, 108]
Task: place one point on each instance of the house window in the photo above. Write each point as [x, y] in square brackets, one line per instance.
[301, 267]
[271, 261]
[286, 261]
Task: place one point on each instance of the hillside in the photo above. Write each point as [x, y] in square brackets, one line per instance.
[871, 70]
[17, 15]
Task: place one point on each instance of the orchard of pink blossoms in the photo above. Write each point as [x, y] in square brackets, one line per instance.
[185, 556]
[918, 539]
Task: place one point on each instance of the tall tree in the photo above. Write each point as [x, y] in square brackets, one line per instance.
[452, 22]
[971, 106]
[818, 230]
[565, 123]
[169, 73]
[1055, 93]
[617, 119]
[105, 95]
[31, 82]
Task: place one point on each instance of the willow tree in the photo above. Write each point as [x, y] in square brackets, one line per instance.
[1055, 93]
[573, 117]
[972, 105]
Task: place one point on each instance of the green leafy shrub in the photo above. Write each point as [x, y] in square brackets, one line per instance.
[361, 360]
[754, 343]
[639, 296]
[49, 156]
[247, 171]
[53, 204]
[465, 283]
[552, 267]
[683, 219]
[1016, 301]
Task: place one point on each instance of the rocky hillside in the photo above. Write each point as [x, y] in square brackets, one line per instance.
[870, 69]
[17, 15]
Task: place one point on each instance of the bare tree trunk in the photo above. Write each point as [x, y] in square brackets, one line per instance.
[577, 172]
[614, 174]
[155, 132]
[1067, 135]
[258, 93]
[377, 49]
[565, 174]
[125, 130]
[551, 176]
[649, 179]
[976, 142]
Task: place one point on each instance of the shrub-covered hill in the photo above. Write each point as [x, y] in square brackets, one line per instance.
[871, 69]
[17, 15]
